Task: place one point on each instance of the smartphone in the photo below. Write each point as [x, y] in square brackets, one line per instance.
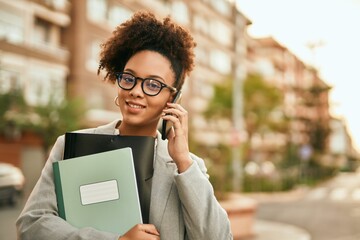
[167, 125]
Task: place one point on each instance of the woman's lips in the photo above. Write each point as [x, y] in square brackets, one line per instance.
[135, 106]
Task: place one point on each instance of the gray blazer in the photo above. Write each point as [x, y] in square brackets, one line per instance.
[183, 206]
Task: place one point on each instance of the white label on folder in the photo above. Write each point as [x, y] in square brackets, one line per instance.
[99, 192]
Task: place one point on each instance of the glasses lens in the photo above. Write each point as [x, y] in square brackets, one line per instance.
[126, 81]
[151, 86]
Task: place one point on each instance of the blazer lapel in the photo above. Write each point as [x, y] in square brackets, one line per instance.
[162, 183]
[107, 129]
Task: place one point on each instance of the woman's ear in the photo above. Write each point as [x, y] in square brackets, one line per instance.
[175, 98]
[171, 98]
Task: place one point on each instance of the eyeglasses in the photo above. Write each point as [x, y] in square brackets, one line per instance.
[149, 86]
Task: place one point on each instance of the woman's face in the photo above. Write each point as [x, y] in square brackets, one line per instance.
[141, 113]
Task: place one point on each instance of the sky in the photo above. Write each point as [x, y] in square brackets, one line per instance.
[333, 27]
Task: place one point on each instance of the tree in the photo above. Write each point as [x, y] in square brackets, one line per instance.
[261, 102]
[13, 113]
[220, 105]
[48, 121]
[262, 108]
[262, 105]
[57, 118]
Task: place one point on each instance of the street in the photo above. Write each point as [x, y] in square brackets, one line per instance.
[8, 215]
[330, 211]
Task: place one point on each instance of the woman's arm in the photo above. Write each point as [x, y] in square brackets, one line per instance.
[39, 218]
[203, 215]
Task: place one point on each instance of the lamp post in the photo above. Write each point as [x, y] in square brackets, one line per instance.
[239, 73]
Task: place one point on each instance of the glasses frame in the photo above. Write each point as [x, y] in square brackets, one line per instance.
[163, 85]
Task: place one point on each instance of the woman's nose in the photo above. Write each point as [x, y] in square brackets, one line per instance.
[137, 90]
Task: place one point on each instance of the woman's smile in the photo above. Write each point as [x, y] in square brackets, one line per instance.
[135, 105]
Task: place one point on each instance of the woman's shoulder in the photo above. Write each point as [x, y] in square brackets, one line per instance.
[109, 128]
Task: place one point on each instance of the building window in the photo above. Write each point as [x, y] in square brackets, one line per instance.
[201, 55]
[201, 25]
[57, 4]
[9, 80]
[222, 6]
[37, 93]
[96, 10]
[42, 31]
[206, 89]
[221, 33]
[220, 61]
[45, 86]
[93, 56]
[11, 27]
[180, 12]
[118, 15]
[103, 11]
[265, 68]
[289, 78]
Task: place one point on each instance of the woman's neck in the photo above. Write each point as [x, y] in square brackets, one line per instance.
[136, 130]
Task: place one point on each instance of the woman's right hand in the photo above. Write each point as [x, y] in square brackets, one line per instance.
[141, 232]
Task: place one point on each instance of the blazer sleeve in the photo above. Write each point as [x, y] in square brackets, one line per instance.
[204, 217]
[39, 218]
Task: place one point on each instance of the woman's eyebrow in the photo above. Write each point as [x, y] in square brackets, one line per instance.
[157, 77]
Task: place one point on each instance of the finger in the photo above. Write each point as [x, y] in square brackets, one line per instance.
[182, 115]
[176, 106]
[175, 120]
[171, 133]
[179, 128]
[151, 229]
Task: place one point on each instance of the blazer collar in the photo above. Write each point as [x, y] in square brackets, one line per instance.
[162, 182]
[109, 128]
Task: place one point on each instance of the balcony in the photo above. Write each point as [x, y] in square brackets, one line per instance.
[37, 50]
[62, 6]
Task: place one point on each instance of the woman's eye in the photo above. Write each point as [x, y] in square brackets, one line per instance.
[129, 79]
[153, 85]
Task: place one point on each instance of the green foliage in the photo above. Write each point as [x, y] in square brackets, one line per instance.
[57, 118]
[12, 110]
[261, 184]
[318, 135]
[49, 121]
[221, 104]
[218, 163]
[260, 101]
[262, 104]
[313, 172]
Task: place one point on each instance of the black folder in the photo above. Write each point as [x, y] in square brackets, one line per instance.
[81, 144]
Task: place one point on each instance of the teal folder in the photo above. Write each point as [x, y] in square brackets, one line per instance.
[99, 191]
[80, 144]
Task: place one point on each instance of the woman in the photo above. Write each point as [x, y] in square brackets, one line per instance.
[149, 59]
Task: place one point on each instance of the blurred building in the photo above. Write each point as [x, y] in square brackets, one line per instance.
[306, 103]
[341, 151]
[33, 53]
[50, 49]
[215, 29]
[33, 58]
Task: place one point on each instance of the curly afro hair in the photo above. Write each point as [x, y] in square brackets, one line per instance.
[144, 32]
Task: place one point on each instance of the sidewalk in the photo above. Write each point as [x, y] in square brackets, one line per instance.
[267, 230]
[244, 206]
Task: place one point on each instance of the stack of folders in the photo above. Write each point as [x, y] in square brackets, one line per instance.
[102, 183]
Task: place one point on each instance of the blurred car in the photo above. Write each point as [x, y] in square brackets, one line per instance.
[11, 183]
